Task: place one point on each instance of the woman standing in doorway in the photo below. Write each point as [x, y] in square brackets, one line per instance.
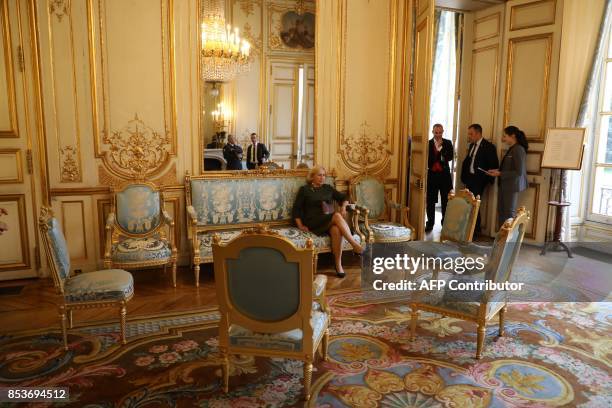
[512, 173]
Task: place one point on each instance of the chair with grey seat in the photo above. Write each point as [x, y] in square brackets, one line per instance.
[269, 304]
[106, 288]
[480, 306]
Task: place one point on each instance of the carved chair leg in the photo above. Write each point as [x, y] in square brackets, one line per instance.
[414, 318]
[70, 321]
[480, 338]
[196, 272]
[325, 344]
[165, 271]
[225, 370]
[174, 273]
[63, 320]
[122, 315]
[502, 315]
[307, 378]
[108, 264]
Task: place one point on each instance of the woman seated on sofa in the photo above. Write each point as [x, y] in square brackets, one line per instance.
[313, 211]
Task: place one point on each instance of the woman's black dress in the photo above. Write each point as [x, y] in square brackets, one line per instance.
[308, 206]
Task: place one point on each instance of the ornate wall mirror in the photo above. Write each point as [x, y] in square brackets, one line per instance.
[266, 87]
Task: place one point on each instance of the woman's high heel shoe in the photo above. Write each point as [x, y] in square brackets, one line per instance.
[340, 274]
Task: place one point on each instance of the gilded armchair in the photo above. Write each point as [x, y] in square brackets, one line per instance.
[107, 288]
[368, 192]
[265, 291]
[135, 234]
[457, 229]
[480, 306]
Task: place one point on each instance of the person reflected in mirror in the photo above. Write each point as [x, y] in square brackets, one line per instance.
[214, 144]
[313, 211]
[482, 156]
[232, 153]
[439, 179]
[512, 173]
[257, 153]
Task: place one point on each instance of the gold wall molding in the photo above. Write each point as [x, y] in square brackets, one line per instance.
[19, 200]
[354, 157]
[70, 172]
[106, 178]
[514, 25]
[7, 48]
[59, 8]
[543, 103]
[16, 153]
[493, 102]
[106, 134]
[497, 17]
[73, 217]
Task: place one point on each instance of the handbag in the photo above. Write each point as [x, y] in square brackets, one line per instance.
[327, 208]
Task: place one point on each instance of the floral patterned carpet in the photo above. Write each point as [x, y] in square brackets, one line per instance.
[552, 355]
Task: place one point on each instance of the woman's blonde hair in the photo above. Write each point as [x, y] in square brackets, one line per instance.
[314, 171]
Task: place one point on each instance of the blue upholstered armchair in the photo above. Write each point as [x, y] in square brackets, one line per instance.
[107, 288]
[135, 237]
[368, 192]
[268, 301]
[482, 306]
[457, 229]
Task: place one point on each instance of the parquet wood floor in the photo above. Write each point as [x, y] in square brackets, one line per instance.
[36, 306]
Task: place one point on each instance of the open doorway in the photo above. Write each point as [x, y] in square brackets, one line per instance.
[443, 116]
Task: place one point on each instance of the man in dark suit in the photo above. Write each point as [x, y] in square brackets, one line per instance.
[257, 153]
[232, 153]
[482, 154]
[439, 180]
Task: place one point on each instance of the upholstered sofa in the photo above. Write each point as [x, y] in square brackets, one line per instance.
[225, 203]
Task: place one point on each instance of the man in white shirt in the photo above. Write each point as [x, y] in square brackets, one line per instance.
[257, 153]
[482, 154]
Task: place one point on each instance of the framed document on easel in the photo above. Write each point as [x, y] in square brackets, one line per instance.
[563, 148]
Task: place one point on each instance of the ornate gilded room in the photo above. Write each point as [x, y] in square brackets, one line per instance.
[319, 203]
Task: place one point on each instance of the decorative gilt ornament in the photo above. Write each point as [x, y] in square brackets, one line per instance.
[70, 168]
[364, 151]
[136, 149]
[59, 8]
[169, 178]
[247, 6]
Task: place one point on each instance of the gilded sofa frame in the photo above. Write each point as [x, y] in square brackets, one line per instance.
[113, 231]
[262, 172]
[385, 214]
[481, 319]
[261, 236]
[475, 202]
[66, 308]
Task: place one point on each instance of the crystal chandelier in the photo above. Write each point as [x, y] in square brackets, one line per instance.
[224, 54]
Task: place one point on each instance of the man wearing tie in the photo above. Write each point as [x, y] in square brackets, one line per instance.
[482, 154]
[257, 153]
[232, 154]
[439, 178]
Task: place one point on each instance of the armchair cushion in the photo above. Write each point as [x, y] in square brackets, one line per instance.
[61, 257]
[135, 250]
[295, 235]
[318, 286]
[286, 341]
[370, 193]
[457, 226]
[388, 231]
[109, 284]
[138, 208]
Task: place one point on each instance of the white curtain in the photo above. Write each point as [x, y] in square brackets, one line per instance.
[442, 104]
[580, 39]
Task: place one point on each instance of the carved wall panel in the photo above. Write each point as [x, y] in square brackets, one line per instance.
[132, 69]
